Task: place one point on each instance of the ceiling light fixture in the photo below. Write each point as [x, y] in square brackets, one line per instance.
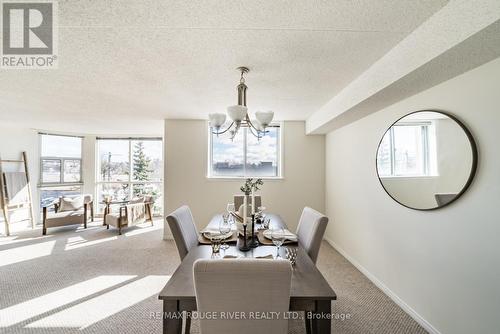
[239, 115]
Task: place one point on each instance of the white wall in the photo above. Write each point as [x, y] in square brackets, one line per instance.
[443, 264]
[186, 182]
[13, 141]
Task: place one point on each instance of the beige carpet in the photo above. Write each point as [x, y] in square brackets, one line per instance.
[94, 281]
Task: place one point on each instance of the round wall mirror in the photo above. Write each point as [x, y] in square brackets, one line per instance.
[426, 160]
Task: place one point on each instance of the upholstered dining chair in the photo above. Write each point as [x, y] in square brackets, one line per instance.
[68, 211]
[183, 229]
[310, 231]
[243, 285]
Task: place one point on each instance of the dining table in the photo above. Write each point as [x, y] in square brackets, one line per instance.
[309, 291]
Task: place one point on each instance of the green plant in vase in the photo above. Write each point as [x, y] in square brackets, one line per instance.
[251, 184]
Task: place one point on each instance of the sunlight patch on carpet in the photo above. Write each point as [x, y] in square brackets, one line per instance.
[36, 306]
[96, 309]
[25, 253]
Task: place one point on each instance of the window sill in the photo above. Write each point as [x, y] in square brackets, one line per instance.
[242, 178]
[48, 185]
[410, 177]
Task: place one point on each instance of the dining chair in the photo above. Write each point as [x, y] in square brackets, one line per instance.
[310, 231]
[243, 287]
[183, 229]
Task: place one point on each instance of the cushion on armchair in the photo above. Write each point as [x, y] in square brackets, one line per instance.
[70, 204]
[73, 203]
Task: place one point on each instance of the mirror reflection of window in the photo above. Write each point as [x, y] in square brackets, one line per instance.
[426, 159]
[408, 150]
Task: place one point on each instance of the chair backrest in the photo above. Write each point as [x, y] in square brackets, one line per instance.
[238, 201]
[310, 231]
[183, 229]
[244, 287]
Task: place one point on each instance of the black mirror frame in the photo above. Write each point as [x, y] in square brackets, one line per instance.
[473, 167]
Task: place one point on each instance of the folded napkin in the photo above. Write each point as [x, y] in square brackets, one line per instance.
[229, 256]
[288, 235]
[268, 256]
[210, 230]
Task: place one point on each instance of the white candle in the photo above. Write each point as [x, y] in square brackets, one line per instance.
[245, 204]
[253, 202]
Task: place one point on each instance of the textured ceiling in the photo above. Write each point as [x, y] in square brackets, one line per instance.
[126, 65]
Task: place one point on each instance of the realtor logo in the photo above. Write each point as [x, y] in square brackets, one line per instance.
[29, 35]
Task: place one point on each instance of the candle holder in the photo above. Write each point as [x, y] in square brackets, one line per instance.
[253, 241]
[242, 245]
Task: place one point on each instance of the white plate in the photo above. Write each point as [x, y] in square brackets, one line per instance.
[210, 235]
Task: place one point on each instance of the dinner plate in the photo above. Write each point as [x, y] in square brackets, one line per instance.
[211, 235]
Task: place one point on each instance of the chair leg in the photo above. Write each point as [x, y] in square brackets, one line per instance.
[119, 230]
[92, 211]
[85, 216]
[188, 323]
[107, 227]
[307, 322]
[44, 219]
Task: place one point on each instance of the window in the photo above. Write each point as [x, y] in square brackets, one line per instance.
[60, 159]
[408, 150]
[60, 167]
[129, 168]
[245, 155]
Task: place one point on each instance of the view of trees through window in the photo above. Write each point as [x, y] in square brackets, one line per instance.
[130, 168]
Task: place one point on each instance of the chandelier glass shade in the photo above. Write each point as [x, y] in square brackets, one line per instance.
[238, 114]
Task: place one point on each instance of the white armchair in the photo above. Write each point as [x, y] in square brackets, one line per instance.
[68, 211]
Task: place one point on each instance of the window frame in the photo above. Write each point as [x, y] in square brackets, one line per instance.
[130, 182]
[424, 128]
[279, 157]
[61, 160]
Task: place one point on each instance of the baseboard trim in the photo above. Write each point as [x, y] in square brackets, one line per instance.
[395, 298]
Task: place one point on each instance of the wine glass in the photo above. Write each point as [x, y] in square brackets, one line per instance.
[224, 228]
[278, 237]
[230, 207]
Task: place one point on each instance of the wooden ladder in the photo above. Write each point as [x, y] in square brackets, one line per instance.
[3, 193]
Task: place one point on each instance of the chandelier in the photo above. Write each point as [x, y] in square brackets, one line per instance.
[239, 115]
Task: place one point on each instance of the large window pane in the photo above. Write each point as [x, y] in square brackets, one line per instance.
[49, 194]
[146, 160]
[130, 168]
[228, 155]
[262, 154]
[114, 160]
[116, 191]
[72, 170]
[61, 146]
[51, 171]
